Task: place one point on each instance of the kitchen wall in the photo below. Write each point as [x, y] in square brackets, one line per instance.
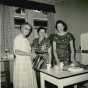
[0, 41]
[0, 28]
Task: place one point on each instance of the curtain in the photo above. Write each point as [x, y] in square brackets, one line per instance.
[33, 5]
[6, 32]
[0, 27]
[0, 42]
[5, 29]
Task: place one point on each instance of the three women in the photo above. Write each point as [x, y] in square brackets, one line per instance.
[63, 49]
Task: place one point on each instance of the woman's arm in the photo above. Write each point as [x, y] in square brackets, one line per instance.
[55, 53]
[23, 53]
[50, 56]
[33, 53]
[72, 51]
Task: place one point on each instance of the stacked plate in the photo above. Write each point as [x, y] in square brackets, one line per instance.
[75, 69]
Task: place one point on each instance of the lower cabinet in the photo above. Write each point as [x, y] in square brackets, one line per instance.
[5, 74]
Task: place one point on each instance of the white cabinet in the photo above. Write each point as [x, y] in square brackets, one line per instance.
[84, 46]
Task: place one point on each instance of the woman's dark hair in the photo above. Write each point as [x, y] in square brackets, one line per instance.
[26, 23]
[38, 30]
[62, 22]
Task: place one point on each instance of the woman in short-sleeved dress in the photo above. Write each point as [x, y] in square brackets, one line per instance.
[63, 44]
[42, 49]
[23, 75]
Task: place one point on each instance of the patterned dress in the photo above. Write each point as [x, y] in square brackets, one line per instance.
[63, 47]
[41, 50]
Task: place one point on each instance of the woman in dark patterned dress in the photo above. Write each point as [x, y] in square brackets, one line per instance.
[63, 44]
[42, 52]
[41, 48]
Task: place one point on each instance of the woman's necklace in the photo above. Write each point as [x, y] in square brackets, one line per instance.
[61, 34]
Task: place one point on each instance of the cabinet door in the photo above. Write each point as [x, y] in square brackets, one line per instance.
[84, 46]
[5, 74]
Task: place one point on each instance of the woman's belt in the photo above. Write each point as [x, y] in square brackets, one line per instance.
[41, 52]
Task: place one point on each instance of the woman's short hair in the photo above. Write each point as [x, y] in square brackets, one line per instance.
[26, 23]
[62, 22]
[38, 30]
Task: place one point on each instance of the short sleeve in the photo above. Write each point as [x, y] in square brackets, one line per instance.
[71, 37]
[55, 38]
[51, 37]
[16, 44]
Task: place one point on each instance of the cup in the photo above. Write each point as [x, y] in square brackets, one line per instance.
[48, 66]
[61, 65]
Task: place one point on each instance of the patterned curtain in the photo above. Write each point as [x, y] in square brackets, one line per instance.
[0, 27]
[6, 32]
[5, 26]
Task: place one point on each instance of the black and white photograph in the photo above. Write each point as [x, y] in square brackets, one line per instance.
[43, 43]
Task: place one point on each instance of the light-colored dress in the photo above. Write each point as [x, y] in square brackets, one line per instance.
[23, 75]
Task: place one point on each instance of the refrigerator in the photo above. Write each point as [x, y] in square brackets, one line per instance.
[84, 48]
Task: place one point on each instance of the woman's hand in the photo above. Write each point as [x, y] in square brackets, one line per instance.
[55, 53]
[33, 55]
[74, 64]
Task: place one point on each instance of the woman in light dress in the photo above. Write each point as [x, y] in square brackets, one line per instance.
[23, 75]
